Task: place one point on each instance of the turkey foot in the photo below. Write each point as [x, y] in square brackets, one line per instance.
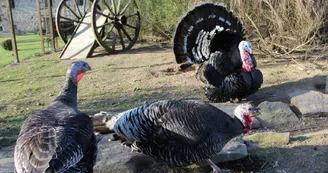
[215, 168]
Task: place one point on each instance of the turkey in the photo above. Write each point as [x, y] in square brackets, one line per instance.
[181, 132]
[212, 36]
[58, 138]
[235, 86]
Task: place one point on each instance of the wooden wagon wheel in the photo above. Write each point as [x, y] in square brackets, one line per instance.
[117, 26]
[69, 15]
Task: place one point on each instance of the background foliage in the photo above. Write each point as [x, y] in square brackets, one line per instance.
[276, 28]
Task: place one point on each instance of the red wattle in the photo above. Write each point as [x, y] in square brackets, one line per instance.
[79, 77]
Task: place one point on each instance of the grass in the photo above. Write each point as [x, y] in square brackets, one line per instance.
[116, 83]
[269, 139]
[27, 45]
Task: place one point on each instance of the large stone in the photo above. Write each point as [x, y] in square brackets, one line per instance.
[235, 149]
[115, 158]
[276, 114]
[226, 107]
[310, 103]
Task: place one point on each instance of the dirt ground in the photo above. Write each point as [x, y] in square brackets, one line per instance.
[307, 151]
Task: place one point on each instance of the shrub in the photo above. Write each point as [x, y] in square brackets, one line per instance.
[275, 28]
[6, 45]
[280, 28]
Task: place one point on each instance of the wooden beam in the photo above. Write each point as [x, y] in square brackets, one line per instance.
[40, 25]
[51, 26]
[326, 84]
[12, 31]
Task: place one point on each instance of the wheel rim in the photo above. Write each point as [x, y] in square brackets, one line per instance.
[69, 15]
[120, 24]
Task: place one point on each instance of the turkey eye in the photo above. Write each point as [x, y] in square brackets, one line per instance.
[249, 109]
[84, 64]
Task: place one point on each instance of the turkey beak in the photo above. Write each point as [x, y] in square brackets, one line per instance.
[88, 68]
[256, 110]
[249, 50]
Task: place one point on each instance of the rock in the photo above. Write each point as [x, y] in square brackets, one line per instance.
[276, 114]
[115, 158]
[7, 160]
[267, 139]
[226, 107]
[235, 149]
[310, 103]
[229, 109]
[99, 121]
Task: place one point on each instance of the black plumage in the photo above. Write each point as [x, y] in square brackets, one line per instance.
[238, 85]
[58, 138]
[180, 132]
[212, 36]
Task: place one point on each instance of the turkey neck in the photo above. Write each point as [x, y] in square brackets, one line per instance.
[236, 127]
[68, 94]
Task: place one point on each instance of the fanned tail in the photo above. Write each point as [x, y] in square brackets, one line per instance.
[198, 28]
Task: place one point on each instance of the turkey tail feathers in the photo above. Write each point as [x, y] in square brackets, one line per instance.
[198, 26]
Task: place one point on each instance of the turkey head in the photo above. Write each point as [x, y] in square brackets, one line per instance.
[77, 70]
[245, 49]
[246, 114]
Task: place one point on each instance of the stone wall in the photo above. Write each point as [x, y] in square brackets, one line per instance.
[24, 16]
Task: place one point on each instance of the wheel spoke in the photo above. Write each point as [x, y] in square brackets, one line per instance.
[69, 19]
[105, 24]
[71, 11]
[67, 29]
[126, 34]
[121, 38]
[118, 5]
[113, 6]
[135, 14]
[84, 6]
[108, 7]
[108, 33]
[107, 16]
[133, 27]
[124, 9]
[114, 40]
[78, 9]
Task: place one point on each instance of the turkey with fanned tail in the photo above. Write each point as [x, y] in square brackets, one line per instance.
[212, 36]
[181, 132]
[58, 138]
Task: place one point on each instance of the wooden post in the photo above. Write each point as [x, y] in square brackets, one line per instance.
[40, 25]
[12, 31]
[51, 26]
[326, 84]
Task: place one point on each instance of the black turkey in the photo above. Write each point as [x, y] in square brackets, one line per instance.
[181, 132]
[212, 36]
[238, 85]
[58, 138]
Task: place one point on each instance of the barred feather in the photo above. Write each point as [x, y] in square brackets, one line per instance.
[179, 132]
[235, 86]
[58, 138]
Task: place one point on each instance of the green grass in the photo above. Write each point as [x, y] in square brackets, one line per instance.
[110, 86]
[27, 45]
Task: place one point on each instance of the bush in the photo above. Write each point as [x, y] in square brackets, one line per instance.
[275, 28]
[6, 45]
[280, 28]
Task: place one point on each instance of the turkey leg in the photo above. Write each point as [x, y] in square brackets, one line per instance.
[216, 169]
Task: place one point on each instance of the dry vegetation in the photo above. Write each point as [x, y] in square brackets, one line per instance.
[276, 28]
[283, 27]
